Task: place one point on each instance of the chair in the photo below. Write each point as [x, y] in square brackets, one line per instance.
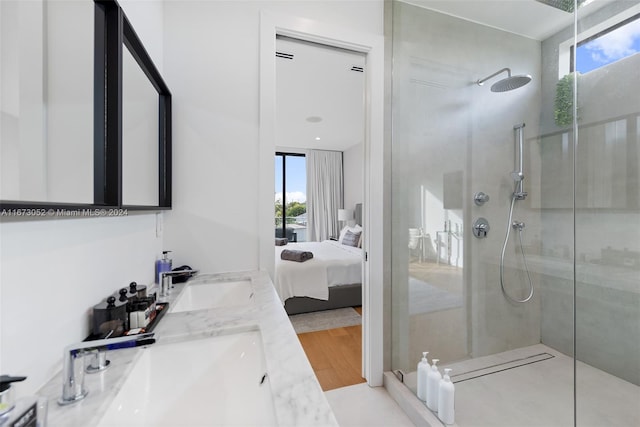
[290, 234]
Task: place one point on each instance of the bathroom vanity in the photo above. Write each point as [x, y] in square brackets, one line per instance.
[225, 353]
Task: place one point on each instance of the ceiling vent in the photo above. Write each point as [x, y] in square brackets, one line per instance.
[284, 55]
[358, 69]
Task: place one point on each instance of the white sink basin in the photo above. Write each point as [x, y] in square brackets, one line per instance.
[201, 296]
[215, 381]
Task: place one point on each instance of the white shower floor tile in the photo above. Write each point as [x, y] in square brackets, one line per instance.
[541, 394]
[360, 405]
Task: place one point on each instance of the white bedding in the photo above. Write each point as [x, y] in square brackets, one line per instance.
[332, 264]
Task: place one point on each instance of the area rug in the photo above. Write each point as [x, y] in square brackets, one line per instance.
[426, 298]
[327, 319]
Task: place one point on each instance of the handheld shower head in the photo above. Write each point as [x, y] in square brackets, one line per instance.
[518, 174]
[508, 83]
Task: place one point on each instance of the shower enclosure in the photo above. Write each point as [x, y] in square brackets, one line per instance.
[516, 207]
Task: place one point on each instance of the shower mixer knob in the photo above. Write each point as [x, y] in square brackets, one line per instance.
[517, 225]
[480, 198]
[481, 228]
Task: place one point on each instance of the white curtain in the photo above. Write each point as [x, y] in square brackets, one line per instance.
[324, 194]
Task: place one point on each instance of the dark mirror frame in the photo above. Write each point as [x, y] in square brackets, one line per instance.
[112, 31]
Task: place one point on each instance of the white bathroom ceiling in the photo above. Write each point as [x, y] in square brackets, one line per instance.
[318, 96]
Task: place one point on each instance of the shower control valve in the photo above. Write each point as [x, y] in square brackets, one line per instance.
[517, 225]
[480, 198]
[480, 228]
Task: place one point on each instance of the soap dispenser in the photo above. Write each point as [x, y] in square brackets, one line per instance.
[446, 400]
[433, 383]
[163, 265]
[423, 371]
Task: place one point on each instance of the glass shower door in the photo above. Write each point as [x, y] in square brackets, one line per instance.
[607, 216]
[428, 186]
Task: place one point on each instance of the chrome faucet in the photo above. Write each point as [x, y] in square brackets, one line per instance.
[73, 361]
[166, 280]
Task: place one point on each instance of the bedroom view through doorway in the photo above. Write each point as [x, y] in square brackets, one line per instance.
[318, 195]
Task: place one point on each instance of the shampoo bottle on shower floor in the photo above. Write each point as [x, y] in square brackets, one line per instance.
[433, 384]
[446, 400]
[423, 372]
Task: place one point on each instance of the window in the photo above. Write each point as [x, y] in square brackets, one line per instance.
[614, 43]
[291, 196]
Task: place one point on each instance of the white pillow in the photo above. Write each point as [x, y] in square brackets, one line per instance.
[356, 228]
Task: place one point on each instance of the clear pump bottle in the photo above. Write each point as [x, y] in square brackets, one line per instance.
[163, 265]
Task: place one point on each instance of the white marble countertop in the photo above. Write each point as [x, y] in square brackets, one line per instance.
[297, 395]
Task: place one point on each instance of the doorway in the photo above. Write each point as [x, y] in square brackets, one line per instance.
[320, 112]
[373, 48]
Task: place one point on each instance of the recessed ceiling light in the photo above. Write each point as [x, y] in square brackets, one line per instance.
[314, 119]
[317, 138]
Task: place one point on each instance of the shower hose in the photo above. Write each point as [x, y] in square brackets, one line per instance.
[524, 258]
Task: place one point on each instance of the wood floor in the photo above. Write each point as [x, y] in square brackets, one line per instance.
[335, 355]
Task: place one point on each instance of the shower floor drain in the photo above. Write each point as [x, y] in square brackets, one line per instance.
[500, 367]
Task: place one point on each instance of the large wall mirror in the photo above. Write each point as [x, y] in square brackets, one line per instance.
[146, 127]
[85, 114]
[139, 135]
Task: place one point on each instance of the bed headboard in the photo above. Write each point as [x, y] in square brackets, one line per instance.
[358, 213]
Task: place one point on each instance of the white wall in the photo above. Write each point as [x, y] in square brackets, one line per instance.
[352, 161]
[212, 68]
[52, 272]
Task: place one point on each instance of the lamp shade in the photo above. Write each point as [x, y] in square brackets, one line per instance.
[345, 214]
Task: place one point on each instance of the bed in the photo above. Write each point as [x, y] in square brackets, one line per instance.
[331, 279]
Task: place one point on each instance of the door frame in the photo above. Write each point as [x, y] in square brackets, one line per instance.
[272, 24]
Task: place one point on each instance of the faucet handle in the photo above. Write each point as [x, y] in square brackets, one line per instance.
[480, 198]
[73, 388]
[98, 362]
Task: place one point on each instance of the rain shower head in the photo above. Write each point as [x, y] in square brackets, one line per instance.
[564, 5]
[508, 83]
